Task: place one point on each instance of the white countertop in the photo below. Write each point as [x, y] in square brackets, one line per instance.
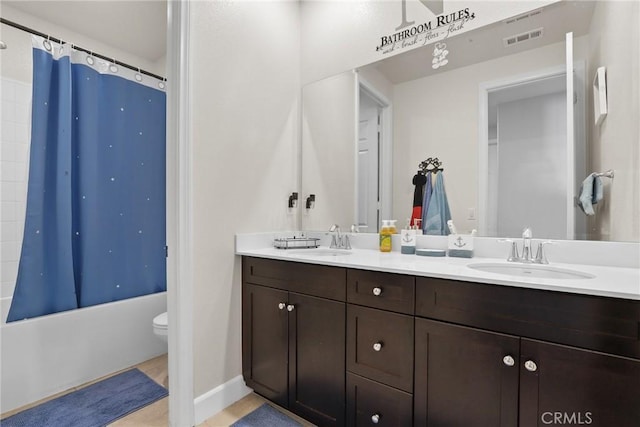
[617, 282]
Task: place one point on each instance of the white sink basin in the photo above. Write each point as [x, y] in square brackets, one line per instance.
[319, 252]
[530, 270]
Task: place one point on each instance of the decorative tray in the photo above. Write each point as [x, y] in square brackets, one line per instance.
[296, 243]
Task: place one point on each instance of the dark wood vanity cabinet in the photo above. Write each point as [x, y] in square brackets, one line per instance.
[522, 372]
[398, 350]
[293, 344]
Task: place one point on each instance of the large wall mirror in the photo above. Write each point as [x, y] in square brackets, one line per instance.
[515, 135]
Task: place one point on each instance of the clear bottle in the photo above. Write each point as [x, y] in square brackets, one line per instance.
[385, 236]
[392, 226]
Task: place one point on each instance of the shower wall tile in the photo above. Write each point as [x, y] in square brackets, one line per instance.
[8, 133]
[15, 118]
[9, 212]
[9, 251]
[8, 90]
[9, 271]
[7, 288]
[9, 231]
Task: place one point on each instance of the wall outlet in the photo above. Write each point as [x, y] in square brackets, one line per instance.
[471, 213]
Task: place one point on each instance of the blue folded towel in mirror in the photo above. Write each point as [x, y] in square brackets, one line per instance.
[591, 192]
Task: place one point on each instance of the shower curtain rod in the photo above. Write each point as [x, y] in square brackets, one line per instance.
[56, 40]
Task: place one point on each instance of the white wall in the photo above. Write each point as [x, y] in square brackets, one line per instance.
[245, 83]
[437, 116]
[340, 35]
[614, 43]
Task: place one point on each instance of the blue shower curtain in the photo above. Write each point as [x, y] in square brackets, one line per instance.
[95, 222]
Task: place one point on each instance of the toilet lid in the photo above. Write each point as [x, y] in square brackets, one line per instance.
[160, 321]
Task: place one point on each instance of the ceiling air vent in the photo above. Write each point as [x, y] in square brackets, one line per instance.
[522, 37]
[524, 16]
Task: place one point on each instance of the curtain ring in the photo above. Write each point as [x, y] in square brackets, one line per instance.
[90, 59]
[47, 44]
[113, 67]
[138, 76]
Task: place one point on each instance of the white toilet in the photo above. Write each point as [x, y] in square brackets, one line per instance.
[160, 326]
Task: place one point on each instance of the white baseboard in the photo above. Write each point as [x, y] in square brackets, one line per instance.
[210, 403]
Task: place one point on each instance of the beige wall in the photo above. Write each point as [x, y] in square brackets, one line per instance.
[245, 83]
[340, 35]
[614, 44]
[437, 116]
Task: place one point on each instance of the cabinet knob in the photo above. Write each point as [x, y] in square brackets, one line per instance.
[282, 305]
[375, 418]
[530, 366]
[508, 360]
[377, 346]
[290, 307]
[377, 291]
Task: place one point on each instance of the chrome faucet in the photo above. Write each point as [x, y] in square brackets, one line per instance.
[526, 245]
[338, 240]
[527, 252]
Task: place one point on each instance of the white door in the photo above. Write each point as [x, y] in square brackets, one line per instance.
[368, 164]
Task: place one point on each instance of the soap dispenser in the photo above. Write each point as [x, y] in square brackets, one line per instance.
[385, 236]
[408, 239]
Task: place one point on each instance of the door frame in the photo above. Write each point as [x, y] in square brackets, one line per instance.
[483, 130]
[179, 218]
[385, 152]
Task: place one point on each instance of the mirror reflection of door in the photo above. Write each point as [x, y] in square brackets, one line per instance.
[529, 159]
[534, 158]
[369, 138]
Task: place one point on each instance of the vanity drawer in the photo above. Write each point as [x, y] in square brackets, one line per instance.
[393, 292]
[309, 279]
[371, 403]
[611, 325]
[380, 346]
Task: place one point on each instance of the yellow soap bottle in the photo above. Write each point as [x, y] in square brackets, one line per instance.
[385, 236]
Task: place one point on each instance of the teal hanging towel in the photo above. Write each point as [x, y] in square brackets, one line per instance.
[438, 212]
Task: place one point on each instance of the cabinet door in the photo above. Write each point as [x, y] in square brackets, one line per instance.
[265, 341]
[571, 386]
[464, 376]
[317, 359]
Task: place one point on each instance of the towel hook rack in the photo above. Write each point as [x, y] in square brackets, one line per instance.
[432, 164]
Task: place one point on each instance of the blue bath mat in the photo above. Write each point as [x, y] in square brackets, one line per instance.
[266, 416]
[96, 405]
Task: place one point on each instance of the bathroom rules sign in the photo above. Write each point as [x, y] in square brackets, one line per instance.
[410, 34]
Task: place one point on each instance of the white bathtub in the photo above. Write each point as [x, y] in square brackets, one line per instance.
[49, 354]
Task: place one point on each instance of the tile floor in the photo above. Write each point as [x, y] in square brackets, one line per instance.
[156, 414]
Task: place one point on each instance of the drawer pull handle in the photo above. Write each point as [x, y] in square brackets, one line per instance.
[377, 291]
[375, 418]
[508, 360]
[290, 307]
[282, 305]
[377, 346]
[530, 366]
